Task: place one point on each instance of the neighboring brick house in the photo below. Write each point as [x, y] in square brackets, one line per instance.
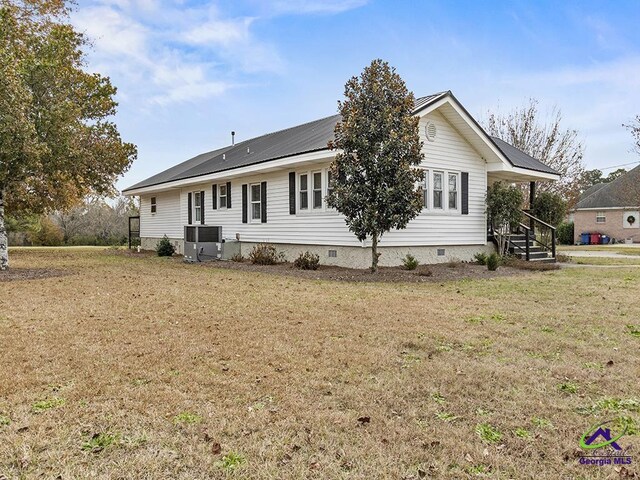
[612, 209]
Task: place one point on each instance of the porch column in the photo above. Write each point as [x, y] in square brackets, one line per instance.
[532, 196]
[532, 193]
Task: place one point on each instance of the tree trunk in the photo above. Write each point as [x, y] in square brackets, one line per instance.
[374, 253]
[4, 241]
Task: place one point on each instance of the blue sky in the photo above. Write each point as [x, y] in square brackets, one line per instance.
[189, 72]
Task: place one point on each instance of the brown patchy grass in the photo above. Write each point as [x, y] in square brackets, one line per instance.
[148, 368]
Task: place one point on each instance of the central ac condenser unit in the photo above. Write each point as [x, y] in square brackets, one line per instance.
[202, 243]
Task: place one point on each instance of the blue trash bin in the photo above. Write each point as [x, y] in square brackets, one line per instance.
[605, 239]
[585, 238]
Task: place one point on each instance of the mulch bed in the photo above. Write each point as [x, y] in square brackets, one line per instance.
[424, 273]
[17, 274]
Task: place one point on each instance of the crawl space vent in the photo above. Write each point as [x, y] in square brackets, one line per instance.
[441, 252]
[333, 253]
[431, 131]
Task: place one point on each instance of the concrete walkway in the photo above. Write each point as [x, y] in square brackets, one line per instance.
[578, 265]
[597, 253]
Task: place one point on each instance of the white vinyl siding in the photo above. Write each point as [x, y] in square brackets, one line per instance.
[167, 220]
[448, 153]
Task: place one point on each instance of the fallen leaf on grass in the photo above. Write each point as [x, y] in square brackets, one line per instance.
[364, 420]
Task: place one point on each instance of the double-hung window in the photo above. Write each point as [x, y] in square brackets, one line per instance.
[304, 191]
[425, 190]
[329, 182]
[437, 190]
[317, 190]
[255, 202]
[601, 217]
[453, 191]
[153, 205]
[197, 206]
[223, 196]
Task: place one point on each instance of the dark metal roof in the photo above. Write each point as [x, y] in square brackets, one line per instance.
[520, 159]
[305, 138]
[624, 191]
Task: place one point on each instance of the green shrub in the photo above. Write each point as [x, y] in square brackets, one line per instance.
[46, 233]
[307, 261]
[164, 248]
[480, 258]
[265, 254]
[564, 233]
[493, 261]
[410, 262]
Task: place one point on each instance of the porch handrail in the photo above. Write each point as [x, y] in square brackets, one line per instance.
[537, 220]
[532, 221]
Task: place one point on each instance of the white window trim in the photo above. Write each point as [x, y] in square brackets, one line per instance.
[457, 175]
[429, 178]
[197, 207]
[426, 191]
[603, 217]
[443, 190]
[252, 201]
[226, 196]
[314, 190]
[299, 192]
[324, 191]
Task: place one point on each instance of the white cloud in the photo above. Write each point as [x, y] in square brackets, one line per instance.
[313, 6]
[175, 51]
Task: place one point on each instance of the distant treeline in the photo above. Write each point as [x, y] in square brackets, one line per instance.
[97, 221]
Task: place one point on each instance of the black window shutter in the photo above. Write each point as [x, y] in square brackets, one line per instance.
[263, 202]
[292, 193]
[189, 208]
[244, 203]
[228, 194]
[202, 204]
[214, 195]
[465, 193]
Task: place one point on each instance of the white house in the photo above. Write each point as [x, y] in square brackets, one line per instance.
[271, 189]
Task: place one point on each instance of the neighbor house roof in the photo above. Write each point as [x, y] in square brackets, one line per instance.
[591, 190]
[622, 192]
[308, 137]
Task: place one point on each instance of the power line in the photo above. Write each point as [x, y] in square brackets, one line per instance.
[618, 166]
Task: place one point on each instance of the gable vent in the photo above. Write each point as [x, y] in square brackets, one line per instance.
[431, 131]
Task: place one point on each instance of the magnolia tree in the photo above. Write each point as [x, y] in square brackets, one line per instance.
[374, 173]
[57, 143]
[504, 203]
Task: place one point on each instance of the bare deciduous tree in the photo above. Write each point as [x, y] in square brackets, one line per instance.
[546, 140]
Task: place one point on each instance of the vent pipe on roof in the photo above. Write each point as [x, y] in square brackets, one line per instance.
[233, 138]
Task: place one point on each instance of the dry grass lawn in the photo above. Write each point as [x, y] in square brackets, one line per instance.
[150, 368]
